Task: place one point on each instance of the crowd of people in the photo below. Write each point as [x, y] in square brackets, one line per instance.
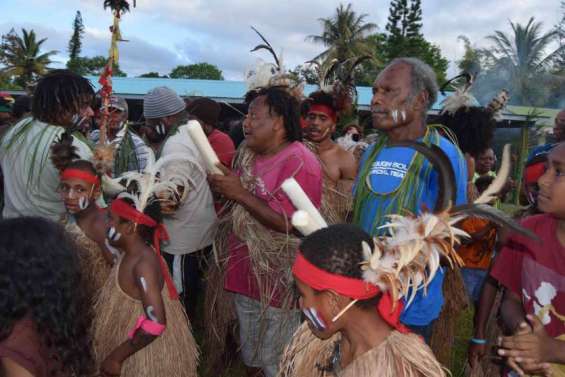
[123, 253]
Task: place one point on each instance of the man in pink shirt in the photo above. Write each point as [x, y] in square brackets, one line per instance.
[207, 112]
[262, 244]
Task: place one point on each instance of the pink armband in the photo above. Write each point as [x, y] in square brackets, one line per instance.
[147, 325]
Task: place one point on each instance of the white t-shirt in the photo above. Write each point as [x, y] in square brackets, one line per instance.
[193, 225]
[30, 178]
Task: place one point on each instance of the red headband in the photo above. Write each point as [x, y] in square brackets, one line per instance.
[356, 289]
[324, 109]
[80, 174]
[534, 172]
[124, 210]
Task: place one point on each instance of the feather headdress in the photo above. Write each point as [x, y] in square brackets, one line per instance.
[337, 78]
[265, 75]
[462, 96]
[142, 188]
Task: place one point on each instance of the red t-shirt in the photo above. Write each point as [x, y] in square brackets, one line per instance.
[293, 161]
[223, 145]
[535, 270]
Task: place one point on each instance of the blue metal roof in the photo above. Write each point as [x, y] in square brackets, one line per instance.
[231, 91]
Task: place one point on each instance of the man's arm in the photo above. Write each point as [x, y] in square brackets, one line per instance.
[477, 351]
[511, 311]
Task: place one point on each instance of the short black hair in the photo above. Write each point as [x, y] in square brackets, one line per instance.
[318, 98]
[337, 249]
[473, 126]
[58, 93]
[153, 210]
[283, 104]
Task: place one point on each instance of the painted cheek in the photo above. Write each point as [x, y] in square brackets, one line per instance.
[83, 202]
[113, 235]
[315, 318]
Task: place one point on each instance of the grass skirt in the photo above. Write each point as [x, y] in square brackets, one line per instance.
[173, 354]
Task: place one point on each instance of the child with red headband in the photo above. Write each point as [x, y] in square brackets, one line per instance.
[84, 221]
[141, 328]
[353, 327]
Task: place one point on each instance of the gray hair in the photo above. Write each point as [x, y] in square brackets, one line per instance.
[422, 76]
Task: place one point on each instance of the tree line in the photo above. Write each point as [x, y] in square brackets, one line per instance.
[520, 60]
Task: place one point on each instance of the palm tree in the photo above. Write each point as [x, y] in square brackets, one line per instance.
[522, 60]
[344, 35]
[22, 59]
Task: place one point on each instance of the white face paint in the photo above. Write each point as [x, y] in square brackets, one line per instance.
[115, 251]
[161, 129]
[113, 235]
[83, 203]
[403, 115]
[315, 319]
[394, 115]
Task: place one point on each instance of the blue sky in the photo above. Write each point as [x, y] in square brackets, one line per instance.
[165, 33]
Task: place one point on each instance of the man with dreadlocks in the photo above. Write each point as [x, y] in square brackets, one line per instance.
[261, 243]
[396, 180]
[131, 151]
[339, 165]
[61, 102]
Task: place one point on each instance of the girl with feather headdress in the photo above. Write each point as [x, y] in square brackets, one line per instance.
[80, 189]
[349, 287]
[141, 328]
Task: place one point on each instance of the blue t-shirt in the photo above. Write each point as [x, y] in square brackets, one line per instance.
[385, 175]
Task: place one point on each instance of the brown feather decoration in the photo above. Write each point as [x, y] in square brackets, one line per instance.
[63, 152]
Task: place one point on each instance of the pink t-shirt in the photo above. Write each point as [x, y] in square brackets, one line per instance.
[223, 145]
[535, 271]
[294, 161]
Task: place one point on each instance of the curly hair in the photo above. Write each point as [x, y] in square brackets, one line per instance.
[473, 126]
[337, 249]
[283, 104]
[40, 278]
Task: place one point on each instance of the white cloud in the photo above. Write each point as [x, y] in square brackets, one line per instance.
[164, 33]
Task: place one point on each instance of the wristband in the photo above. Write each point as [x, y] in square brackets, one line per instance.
[150, 327]
[478, 341]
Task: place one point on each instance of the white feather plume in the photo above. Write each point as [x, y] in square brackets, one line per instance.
[149, 184]
[409, 257]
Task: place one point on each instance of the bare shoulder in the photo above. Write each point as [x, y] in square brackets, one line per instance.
[348, 163]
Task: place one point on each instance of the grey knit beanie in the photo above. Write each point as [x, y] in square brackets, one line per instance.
[161, 102]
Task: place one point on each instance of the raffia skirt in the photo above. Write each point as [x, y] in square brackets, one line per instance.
[172, 354]
[399, 355]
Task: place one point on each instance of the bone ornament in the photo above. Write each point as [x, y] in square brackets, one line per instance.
[301, 201]
[204, 147]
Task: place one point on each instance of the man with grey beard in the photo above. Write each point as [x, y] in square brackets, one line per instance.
[397, 180]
